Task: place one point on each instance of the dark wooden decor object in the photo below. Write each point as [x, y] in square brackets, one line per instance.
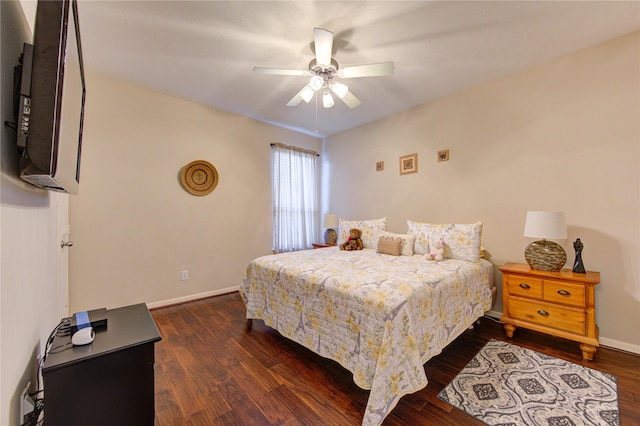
[578, 266]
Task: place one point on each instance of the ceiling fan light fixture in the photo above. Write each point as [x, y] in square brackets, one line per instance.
[327, 99]
[307, 93]
[323, 69]
[316, 82]
[339, 89]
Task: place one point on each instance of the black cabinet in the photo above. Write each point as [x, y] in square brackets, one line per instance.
[108, 382]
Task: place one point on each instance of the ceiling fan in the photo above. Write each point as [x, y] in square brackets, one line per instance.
[324, 70]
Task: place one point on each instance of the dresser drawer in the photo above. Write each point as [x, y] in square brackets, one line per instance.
[559, 303]
[525, 286]
[561, 318]
[565, 293]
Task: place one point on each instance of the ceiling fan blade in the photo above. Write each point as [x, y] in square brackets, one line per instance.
[305, 94]
[295, 100]
[370, 70]
[279, 71]
[323, 41]
[350, 100]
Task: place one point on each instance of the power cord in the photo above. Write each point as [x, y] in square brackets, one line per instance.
[60, 348]
[62, 329]
[34, 417]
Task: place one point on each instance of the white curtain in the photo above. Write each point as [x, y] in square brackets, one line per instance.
[295, 187]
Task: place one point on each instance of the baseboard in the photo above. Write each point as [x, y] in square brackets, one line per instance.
[191, 298]
[610, 343]
[494, 314]
[616, 344]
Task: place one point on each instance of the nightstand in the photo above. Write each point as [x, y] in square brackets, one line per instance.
[108, 382]
[560, 303]
[318, 245]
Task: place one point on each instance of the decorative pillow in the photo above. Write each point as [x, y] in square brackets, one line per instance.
[390, 246]
[406, 241]
[369, 228]
[462, 240]
[421, 232]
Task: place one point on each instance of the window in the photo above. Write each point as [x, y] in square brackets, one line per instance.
[295, 188]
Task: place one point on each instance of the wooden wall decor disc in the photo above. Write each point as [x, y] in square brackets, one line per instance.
[199, 177]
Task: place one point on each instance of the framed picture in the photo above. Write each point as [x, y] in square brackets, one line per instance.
[443, 155]
[409, 164]
[379, 166]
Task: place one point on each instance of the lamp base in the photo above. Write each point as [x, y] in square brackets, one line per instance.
[330, 237]
[545, 255]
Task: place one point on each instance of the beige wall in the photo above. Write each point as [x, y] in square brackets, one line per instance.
[564, 135]
[135, 228]
[29, 249]
[560, 136]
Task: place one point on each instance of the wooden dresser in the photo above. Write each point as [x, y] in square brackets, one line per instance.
[558, 303]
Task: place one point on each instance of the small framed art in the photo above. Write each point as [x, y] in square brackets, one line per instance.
[379, 166]
[443, 155]
[409, 164]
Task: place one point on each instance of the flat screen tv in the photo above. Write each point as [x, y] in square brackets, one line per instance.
[52, 98]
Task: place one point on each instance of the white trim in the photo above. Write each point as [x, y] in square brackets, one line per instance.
[623, 346]
[610, 343]
[63, 231]
[494, 314]
[190, 298]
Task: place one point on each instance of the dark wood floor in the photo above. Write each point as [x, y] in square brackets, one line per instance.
[210, 371]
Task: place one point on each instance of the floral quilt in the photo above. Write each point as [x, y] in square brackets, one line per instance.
[380, 316]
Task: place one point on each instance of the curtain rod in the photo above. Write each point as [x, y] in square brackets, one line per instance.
[294, 148]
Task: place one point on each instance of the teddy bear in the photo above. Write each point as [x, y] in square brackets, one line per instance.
[354, 242]
[436, 251]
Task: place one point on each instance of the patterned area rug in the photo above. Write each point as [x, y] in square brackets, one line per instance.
[508, 385]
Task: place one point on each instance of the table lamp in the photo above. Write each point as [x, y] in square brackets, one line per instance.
[330, 222]
[545, 255]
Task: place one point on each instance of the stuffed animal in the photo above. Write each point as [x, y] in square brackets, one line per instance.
[354, 242]
[436, 251]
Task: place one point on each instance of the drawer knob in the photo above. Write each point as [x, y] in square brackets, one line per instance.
[525, 286]
[564, 293]
[543, 313]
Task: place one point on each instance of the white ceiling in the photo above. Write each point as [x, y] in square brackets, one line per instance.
[204, 50]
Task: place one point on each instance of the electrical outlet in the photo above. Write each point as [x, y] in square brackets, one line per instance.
[26, 403]
[185, 274]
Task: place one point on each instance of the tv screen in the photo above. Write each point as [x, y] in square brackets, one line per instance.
[54, 108]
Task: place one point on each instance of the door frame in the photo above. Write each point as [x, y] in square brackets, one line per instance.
[63, 233]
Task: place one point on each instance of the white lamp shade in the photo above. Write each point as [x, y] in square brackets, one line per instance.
[307, 93]
[327, 100]
[548, 225]
[316, 82]
[330, 221]
[340, 89]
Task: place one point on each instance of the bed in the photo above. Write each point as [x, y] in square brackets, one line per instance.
[380, 316]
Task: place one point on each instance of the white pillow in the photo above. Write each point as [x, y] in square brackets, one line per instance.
[406, 241]
[462, 241]
[370, 229]
[421, 232]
